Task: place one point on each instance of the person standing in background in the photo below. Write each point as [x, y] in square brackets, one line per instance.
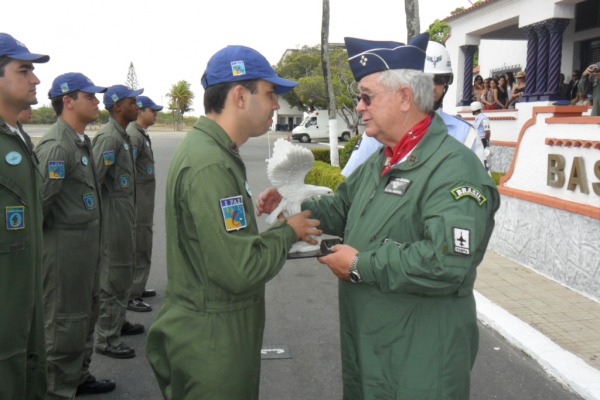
[22, 347]
[572, 88]
[145, 188]
[590, 83]
[25, 116]
[71, 205]
[113, 156]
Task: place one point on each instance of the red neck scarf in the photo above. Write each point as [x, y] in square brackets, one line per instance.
[406, 144]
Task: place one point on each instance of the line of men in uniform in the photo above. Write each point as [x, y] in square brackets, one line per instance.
[76, 243]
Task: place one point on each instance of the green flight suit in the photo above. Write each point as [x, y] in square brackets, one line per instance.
[71, 204]
[409, 331]
[22, 350]
[114, 162]
[145, 187]
[205, 342]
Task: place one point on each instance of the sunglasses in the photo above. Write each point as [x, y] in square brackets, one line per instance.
[368, 98]
[442, 79]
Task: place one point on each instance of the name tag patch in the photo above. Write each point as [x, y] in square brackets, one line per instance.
[124, 181]
[469, 191]
[397, 186]
[88, 201]
[109, 157]
[461, 241]
[234, 215]
[56, 169]
[15, 218]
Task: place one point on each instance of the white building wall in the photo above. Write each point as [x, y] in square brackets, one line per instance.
[468, 29]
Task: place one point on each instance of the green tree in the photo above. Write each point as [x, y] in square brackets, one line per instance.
[457, 10]
[439, 31]
[43, 115]
[181, 100]
[304, 66]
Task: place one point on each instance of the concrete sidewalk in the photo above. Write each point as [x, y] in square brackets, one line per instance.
[556, 326]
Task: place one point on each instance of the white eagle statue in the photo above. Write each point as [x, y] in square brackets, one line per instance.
[286, 170]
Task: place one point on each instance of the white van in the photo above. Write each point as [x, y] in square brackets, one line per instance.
[316, 126]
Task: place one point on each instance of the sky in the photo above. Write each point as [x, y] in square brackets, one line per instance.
[169, 41]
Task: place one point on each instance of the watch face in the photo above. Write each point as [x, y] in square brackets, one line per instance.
[354, 278]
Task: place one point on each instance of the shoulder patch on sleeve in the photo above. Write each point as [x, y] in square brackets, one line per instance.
[56, 169]
[109, 157]
[234, 214]
[462, 244]
[469, 191]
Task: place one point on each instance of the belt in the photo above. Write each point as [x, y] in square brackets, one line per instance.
[195, 300]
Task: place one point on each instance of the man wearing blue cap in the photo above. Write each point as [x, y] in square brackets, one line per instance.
[113, 156]
[205, 342]
[71, 205]
[22, 347]
[145, 186]
[416, 218]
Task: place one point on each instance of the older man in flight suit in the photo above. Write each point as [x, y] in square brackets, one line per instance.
[416, 218]
[22, 351]
[145, 187]
[71, 204]
[113, 156]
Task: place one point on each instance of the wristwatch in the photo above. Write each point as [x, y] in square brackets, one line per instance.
[354, 275]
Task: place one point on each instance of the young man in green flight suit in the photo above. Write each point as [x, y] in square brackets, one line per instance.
[416, 219]
[22, 350]
[113, 156]
[71, 205]
[145, 187]
[205, 342]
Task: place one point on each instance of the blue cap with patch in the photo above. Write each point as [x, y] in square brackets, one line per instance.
[72, 82]
[146, 102]
[241, 63]
[116, 93]
[367, 57]
[11, 47]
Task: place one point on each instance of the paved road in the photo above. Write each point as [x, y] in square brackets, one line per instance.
[302, 315]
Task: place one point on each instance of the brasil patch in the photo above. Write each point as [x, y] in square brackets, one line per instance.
[234, 215]
[469, 191]
[15, 218]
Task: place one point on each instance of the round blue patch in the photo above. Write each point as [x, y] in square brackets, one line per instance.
[13, 158]
[84, 160]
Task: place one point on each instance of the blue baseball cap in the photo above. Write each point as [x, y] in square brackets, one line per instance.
[368, 56]
[146, 102]
[241, 63]
[72, 82]
[11, 47]
[116, 93]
